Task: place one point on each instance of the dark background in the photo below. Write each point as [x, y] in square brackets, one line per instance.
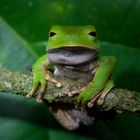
[24, 27]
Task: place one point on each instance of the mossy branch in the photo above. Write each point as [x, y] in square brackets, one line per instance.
[118, 99]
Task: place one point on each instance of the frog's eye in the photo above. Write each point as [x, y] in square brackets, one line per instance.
[52, 34]
[92, 34]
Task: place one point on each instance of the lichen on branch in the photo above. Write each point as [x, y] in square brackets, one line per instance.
[117, 99]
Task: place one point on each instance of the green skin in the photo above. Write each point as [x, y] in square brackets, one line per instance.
[75, 37]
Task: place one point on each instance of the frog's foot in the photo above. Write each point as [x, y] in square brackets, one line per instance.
[41, 80]
[85, 97]
[36, 83]
[65, 117]
[100, 97]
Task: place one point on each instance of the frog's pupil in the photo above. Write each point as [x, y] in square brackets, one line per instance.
[52, 34]
[92, 34]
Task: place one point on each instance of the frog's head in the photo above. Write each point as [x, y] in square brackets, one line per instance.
[72, 45]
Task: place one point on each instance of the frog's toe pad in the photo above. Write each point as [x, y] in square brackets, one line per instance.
[92, 101]
[75, 92]
[58, 84]
[29, 96]
[72, 93]
[38, 100]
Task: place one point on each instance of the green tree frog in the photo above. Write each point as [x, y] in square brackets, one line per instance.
[74, 49]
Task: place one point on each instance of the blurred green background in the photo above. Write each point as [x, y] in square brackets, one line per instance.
[24, 27]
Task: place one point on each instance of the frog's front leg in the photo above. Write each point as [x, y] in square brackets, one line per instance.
[100, 85]
[41, 76]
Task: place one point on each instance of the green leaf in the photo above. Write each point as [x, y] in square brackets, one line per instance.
[29, 21]
[14, 129]
[61, 135]
[15, 52]
[116, 20]
[127, 71]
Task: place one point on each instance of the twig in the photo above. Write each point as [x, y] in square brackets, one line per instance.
[118, 99]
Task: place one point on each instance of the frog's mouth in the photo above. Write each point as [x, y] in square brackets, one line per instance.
[72, 56]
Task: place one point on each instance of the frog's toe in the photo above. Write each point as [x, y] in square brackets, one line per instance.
[75, 92]
[72, 93]
[34, 88]
[31, 93]
[58, 84]
[52, 80]
[40, 96]
[81, 99]
[38, 100]
[84, 102]
[42, 91]
[101, 99]
[93, 99]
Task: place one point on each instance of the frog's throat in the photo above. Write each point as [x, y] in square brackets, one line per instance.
[72, 56]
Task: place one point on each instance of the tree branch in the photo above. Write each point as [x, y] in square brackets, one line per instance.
[118, 99]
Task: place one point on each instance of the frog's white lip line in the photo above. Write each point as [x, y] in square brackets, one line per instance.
[72, 55]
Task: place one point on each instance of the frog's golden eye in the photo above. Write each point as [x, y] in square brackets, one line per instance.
[51, 34]
[92, 34]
